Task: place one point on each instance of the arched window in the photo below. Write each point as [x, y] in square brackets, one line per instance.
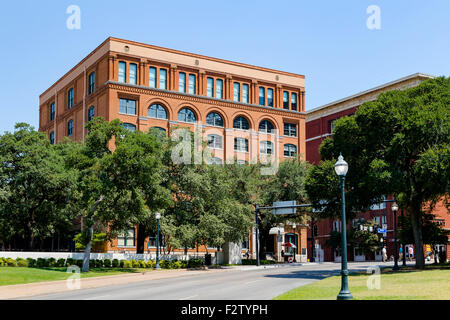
[215, 160]
[186, 115]
[69, 128]
[266, 147]
[159, 129]
[241, 123]
[266, 126]
[215, 141]
[91, 113]
[290, 150]
[157, 111]
[214, 119]
[129, 126]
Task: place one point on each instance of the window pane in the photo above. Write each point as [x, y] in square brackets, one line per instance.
[52, 111]
[214, 119]
[270, 97]
[122, 72]
[266, 126]
[133, 73]
[285, 100]
[70, 99]
[294, 101]
[192, 84]
[91, 83]
[127, 106]
[52, 137]
[186, 115]
[129, 126]
[209, 87]
[241, 123]
[219, 88]
[245, 93]
[262, 96]
[265, 147]
[182, 82]
[236, 91]
[91, 113]
[152, 78]
[163, 79]
[290, 130]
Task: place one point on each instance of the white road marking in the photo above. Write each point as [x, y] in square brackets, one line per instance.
[189, 297]
[253, 281]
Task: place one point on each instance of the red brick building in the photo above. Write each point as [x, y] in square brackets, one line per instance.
[245, 112]
[319, 125]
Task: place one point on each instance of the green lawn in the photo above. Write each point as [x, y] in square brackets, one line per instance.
[18, 275]
[407, 284]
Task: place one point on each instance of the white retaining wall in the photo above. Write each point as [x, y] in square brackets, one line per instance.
[218, 259]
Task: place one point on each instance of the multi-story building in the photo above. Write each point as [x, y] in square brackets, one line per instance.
[246, 112]
[319, 126]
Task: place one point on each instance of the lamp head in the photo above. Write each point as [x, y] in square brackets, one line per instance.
[158, 216]
[341, 167]
[394, 207]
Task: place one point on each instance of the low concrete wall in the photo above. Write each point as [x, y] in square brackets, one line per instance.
[216, 259]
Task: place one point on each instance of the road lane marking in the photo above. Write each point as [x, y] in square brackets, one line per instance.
[189, 297]
[253, 281]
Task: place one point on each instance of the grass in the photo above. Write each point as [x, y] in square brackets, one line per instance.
[18, 275]
[433, 283]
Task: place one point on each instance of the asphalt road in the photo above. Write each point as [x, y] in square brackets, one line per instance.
[240, 284]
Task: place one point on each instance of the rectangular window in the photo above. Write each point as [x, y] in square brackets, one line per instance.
[52, 111]
[236, 92]
[241, 144]
[127, 106]
[91, 83]
[182, 82]
[290, 130]
[133, 73]
[332, 124]
[262, 96]
[152, 78]
[126, 239]
[192, 84]
[270, 97]
[219, 88]
[70, 99]
[245, 90]
[209, 87]
[286, 100]
[215, 141]
[163, 79]
[122, 72]
[293, 101]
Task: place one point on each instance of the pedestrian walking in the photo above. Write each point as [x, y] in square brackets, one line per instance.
[384, 253]
[400, 255]
[410, 253]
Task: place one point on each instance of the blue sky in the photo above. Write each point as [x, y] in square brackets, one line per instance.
[327, 41]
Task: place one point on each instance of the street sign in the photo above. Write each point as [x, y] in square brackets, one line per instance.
[381, 230]
[278, 211]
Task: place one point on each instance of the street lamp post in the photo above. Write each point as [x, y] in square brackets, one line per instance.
[258, 262]
[157, 216]
[295, 238]
[395, 209]
[341, 168]
[403, 246]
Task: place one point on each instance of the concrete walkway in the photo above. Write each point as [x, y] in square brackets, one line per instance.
[39, 288]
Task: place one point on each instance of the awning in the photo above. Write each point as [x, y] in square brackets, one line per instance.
[289, 244]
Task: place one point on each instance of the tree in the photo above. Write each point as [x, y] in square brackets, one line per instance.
[287, 184]
[119, 181]
[34, 186]
[399, 145]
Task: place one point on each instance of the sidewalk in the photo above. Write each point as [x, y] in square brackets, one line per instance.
[40, 288]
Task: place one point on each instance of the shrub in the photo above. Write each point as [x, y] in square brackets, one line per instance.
[79, 263]
[70, 262]
[195, 263]
[20, 262]
[41, 263]
[164, 264]
[176, 264]
[11, 262]
[150, 264]
[142, 264]
[115, 263]
[134, 263]
[125, 264]
[99, 263]
[107, 263]
[31, 262]
[51, 262]
[184, 264]
[61, 262]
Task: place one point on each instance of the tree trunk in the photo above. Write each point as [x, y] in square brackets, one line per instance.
[416, 222]
[140, 246]
[87, 251]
